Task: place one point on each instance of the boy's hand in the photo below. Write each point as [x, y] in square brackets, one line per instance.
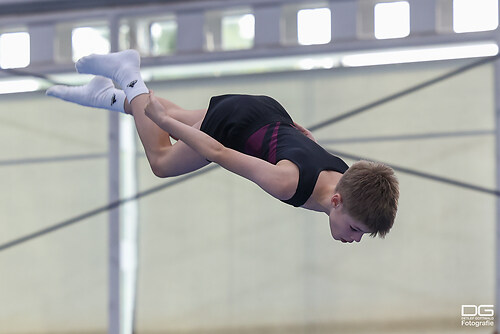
[154, 109]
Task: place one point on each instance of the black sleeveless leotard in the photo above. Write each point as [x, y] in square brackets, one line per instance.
[259, 126]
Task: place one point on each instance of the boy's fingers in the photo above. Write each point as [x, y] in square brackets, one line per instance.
[152, 97]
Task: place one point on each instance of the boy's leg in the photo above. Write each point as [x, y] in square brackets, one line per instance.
[165, 159]
[101, 93]
[189, 117]
[124, 68]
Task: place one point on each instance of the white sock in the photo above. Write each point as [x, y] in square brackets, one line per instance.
[123, 67]
[98, 93]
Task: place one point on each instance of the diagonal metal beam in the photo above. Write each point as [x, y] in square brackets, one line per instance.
[416, 136]
[103, 209]
[403, 93]
[424, 175]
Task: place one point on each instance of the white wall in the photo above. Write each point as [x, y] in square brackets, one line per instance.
[219, 255]
[58, 282]
[217, 252]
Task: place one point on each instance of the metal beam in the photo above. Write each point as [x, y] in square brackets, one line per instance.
[114, 226]
[62, 7]
[399, 138]
[268, 44]
[114, 300]
[34, 7]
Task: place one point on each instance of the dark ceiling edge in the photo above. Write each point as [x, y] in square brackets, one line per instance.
[37, 7]
[53, 6]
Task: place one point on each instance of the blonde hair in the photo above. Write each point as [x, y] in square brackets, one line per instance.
[370, 193]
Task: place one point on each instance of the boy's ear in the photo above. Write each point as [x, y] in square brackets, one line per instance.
[336, 200]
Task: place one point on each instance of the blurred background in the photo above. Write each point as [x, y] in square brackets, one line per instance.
[92, 242]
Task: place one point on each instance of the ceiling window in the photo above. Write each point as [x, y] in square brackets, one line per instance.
[314, 26]
[163, 37]
[475, 15]
[238, 31]
[14, 50]
[392, 20]
[89, 40]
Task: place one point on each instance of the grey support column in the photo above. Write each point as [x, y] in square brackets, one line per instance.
[114, 225]
[267, 25]
[344, 22]
[366, 19]
[129, 220]
[213, 30]
[444, 16]
[423, 15]
[114, 305]
[124, 222]
[63, 45]
[190, 31]
[40, 52]
[289, 33]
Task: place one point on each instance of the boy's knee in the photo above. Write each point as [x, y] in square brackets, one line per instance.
[160, 173]
[159, 170]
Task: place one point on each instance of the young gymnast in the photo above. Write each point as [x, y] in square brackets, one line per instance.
[252, 136]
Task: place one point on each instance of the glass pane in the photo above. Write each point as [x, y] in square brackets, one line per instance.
[88, 40]
[475, 15]
[124, 37]
[150, 35]
[392, 20]
[163, 37]
[314, 26]
[238, 31]
[14, 50]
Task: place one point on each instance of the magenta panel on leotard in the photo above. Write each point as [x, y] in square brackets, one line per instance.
[253, 146]
[272, 145]
[263, 143]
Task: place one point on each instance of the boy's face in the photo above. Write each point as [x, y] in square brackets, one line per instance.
[345, 228]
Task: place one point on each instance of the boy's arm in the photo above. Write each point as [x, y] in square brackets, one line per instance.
[198, 140]
[279, 181]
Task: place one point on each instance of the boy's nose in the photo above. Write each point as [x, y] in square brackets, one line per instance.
[357, 237]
